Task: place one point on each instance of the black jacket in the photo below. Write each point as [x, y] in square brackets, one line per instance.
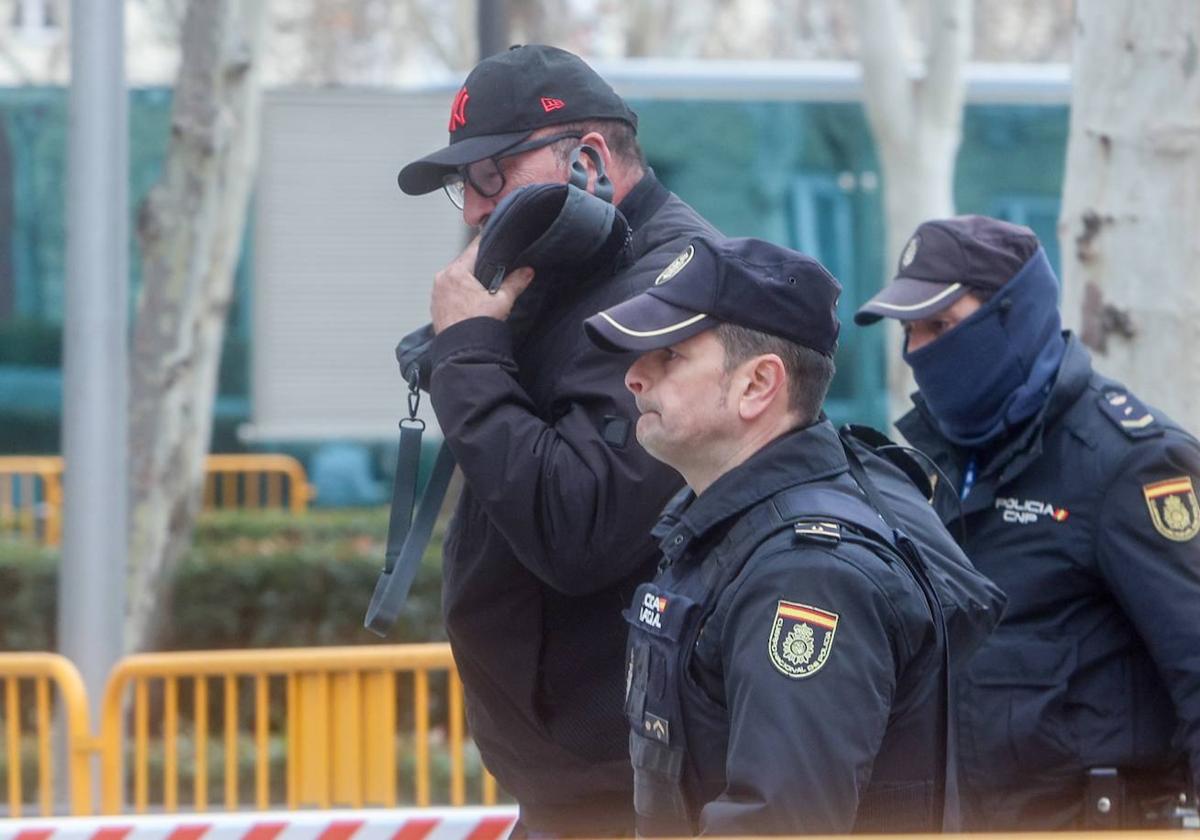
[790, 680]
[1087, 520]
[551, 533]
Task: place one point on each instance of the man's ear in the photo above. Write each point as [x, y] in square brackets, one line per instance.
[593, 178]
[596, 140]
[764, 383]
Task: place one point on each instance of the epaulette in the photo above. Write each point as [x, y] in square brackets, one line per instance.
[819, 530]
[1127, 413]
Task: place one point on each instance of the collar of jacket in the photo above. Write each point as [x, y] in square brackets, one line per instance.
[643, 200]
[797, 457]
[1020, 449]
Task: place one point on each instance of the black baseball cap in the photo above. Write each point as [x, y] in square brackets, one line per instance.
[505, 99]
[945, 259]
[747, 282]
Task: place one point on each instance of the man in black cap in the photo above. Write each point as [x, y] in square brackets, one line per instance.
[786, 671]
[1083, 710]
[550, 536]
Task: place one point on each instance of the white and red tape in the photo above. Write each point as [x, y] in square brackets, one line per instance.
[381, 824]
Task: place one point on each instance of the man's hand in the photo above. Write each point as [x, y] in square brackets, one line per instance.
[458, 294]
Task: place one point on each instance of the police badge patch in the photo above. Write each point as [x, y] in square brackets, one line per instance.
[801, 638]
[1173, 508]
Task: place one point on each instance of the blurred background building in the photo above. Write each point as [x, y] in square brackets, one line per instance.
[750, 110]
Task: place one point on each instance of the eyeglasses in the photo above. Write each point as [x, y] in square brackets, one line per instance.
[485, 176]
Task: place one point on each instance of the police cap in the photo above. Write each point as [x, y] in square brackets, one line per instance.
[747, 282]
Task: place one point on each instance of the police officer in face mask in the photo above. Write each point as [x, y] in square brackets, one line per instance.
[1083, 709]
[787, 670]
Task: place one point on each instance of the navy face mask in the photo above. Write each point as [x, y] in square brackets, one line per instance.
[995, 369]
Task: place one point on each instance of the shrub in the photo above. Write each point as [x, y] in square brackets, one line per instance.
[251, 579]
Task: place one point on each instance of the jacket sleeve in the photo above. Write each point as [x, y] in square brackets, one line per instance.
[576, 509]
[1148, 550]
[801, 745]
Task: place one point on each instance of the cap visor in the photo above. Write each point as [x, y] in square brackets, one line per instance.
[644, 323]
[909, 299]
[425, 175]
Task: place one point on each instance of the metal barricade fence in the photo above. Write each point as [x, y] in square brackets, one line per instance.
[31, 496]
[255, 481]
[38, 687]
[321, 727]
[31, 489]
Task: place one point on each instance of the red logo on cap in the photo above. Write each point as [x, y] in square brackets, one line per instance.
[549, 105]
[458, 111]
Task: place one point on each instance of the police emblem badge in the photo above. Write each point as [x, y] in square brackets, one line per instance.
[801, 638]
[910, 251]
[676, 265]
[1173, 508]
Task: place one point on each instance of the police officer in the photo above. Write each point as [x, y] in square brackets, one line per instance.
[787, 668]
[1080, 502]
[551, 531]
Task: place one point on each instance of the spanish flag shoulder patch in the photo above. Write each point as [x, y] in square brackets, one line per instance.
[801, 639]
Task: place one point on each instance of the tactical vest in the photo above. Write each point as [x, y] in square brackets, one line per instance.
[666, 796]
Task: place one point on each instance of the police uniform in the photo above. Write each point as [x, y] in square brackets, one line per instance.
[788, 670]
[1088, 520]
[785, 679]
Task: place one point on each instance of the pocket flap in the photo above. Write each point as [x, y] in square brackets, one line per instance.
[1031, 662]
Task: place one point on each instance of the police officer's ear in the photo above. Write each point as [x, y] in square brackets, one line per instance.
[760, 387]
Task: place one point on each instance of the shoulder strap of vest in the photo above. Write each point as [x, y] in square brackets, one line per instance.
[901, 457]
[806, 503]
[807, 510]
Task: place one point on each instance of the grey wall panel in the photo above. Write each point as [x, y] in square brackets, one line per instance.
[344, 261]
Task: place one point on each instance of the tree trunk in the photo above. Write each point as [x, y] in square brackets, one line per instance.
[917, 125]
[190, 229]
[1130, 226]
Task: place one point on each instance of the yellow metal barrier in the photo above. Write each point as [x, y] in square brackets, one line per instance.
[31, 496]
[33, 675]
[329, 716]
[31, 489]
[256, 480]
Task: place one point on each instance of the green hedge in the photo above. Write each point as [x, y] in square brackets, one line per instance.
[250, 580]
[28, 579]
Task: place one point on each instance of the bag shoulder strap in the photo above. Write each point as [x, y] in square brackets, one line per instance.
[802, 510]
[950, 817]
[408, 534]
